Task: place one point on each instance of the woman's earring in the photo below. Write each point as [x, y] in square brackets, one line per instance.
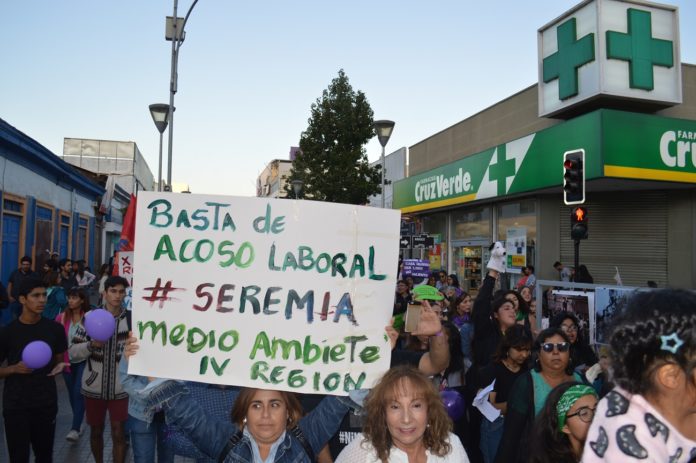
[244, 420]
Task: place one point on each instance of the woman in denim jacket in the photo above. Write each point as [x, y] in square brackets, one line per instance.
[147, 432]
[266, 427]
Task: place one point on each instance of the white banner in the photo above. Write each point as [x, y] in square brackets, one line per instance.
[267, 293]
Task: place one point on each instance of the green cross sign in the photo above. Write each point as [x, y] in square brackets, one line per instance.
[640, 49]
[501, 170]
[572, 53]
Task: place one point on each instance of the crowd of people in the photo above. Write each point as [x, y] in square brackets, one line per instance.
[554, 399]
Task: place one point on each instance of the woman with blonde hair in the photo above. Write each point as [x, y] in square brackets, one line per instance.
[405, 422]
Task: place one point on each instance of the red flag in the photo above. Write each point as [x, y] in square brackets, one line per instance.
[127, 240]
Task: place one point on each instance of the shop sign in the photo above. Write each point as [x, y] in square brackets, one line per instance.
[516, 247]
[616, 143]
[405, 242]
[422, 241]
[615, 49]
[515, 167]
[649, 147]
[408, 228]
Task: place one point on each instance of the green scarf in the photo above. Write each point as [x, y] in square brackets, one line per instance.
[568, 399]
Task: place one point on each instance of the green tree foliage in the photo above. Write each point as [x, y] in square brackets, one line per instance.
[333, 164]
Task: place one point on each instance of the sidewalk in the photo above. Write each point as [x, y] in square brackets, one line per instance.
[64, 451]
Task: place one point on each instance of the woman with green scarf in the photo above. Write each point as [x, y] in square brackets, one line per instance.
[561, 428]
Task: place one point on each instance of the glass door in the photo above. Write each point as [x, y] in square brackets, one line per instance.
[469, 264]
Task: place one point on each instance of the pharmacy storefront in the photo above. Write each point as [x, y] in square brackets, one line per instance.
[632, 162]
[610, 86]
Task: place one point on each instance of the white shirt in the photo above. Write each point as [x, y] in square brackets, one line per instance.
[357, 452]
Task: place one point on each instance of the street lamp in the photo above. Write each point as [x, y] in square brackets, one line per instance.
[297, 187]
[384, 130]
[160, 114]
[174, 33]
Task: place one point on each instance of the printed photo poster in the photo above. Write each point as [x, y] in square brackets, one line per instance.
[268, 293]
[608, 301]
[516, 248]
[582, 304]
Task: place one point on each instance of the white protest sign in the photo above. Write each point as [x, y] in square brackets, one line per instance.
[267, 293]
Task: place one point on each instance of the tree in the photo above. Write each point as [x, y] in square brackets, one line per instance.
[333, 164]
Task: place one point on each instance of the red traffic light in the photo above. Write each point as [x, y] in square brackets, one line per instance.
[574, 177]
[578, 215]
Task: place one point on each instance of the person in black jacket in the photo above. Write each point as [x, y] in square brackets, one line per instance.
[490, 318]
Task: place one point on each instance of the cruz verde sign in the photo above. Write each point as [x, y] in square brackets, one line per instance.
[618, 49]
[617, 144]
[648, 147]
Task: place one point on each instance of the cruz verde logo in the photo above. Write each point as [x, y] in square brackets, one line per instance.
[640, 49]
[572, 53]
[503, 167]
[676, 145]
[439, 186]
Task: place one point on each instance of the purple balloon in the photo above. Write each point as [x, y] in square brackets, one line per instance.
[100, 324]
[453, 402]
[36, 355]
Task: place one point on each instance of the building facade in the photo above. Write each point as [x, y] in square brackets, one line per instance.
[121, 159]
[272, 179]
[395, 169]
[498, 175]
[47, 206]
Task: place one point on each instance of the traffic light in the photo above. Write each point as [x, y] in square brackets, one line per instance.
[578, 223]
[574, 177]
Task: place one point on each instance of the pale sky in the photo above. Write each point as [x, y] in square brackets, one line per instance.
[249, 71]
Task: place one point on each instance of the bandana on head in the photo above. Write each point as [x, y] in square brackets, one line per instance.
[568, 399]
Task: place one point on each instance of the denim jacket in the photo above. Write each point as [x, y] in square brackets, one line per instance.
[211, 435]
[131, 384]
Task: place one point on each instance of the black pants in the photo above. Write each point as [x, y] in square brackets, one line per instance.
[35, 427]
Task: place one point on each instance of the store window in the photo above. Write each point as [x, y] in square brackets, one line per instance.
[517, 227]
[435, 225]
[81, 249]
[43, 236]
[472, 224]
[471, 235]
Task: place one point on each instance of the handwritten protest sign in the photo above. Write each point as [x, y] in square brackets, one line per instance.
[275, 294]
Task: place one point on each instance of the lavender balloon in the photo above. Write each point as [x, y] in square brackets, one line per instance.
[100, 325]
[36, 355]
[453, 402]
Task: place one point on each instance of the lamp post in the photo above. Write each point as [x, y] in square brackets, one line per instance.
[160, 114]
[175, 33]
[384, 130]
[297, 187]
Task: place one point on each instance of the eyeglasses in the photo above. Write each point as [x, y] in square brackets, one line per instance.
[585, 414]
[561, 346]
[569, 328]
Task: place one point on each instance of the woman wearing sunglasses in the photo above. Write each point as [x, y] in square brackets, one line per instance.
[528, 394]
[560, 430]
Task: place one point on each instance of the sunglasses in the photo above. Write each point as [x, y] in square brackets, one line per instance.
[561, 346]
[585, 414]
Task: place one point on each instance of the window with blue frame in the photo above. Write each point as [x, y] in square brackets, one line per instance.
[43, 236]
